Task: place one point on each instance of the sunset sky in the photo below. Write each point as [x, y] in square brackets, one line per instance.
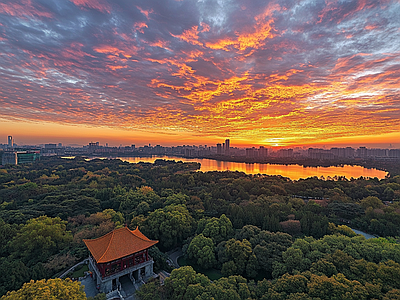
[172, 72]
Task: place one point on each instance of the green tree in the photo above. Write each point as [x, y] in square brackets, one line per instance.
[392, 295]
[323, 267]
[14, 274]
[239, 252]
[293, 259]
[149, 291]
[52, 289]
[143, 208]
[219, 229]
[389, 273]
[201, 249]
[170, 225]
[229, 268]
[177, 284]
[116, 217]
[40, 238]
[388, 194]
[130, 200]
[252, 267]
[7, 232]
[176, 199]
[291, 284]
[248, 232]
[371, 201]
[335, 288]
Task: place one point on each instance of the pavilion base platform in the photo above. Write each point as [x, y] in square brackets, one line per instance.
[136, 274]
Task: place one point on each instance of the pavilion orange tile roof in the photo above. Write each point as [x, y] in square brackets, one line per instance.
[118, 243]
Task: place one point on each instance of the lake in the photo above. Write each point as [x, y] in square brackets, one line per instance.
[294, 172]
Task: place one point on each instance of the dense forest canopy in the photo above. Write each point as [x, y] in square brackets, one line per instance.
[264, 234]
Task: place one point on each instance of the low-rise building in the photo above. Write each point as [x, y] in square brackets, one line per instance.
[9, 158]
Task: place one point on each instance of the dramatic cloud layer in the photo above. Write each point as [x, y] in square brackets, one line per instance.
[255, 70]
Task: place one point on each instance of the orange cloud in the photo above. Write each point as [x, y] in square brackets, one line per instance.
[370, 27]
[145, 12]
[190, 36]
[23, 8]
[99, 5]
[139, 26]
[114, 68]
[119, 53]
[252, 37]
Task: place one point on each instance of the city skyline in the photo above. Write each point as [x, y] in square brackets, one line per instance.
[17, 154]
[220, 148]
[274, 74]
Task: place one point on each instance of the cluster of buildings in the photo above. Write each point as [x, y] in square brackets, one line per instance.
[349, 152]
[254, 152]
[14, 154]
[95, 148]
[224, 148]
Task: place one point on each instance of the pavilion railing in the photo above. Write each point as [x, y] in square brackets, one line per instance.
[117, 273]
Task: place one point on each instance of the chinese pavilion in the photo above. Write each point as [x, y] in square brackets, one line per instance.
[121, 252]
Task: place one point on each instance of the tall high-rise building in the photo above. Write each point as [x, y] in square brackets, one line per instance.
[262, 152]
[10, 141]
[227, 146]
[251, 152]
[219, 149]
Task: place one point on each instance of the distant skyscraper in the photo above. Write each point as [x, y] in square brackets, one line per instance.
[227, 146]
[50, 146]
[219, 149]
[93, 146]
[10, 141]
[251, 152]
[262, 152]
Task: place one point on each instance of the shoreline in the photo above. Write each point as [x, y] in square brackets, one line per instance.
[381, 165]
[294, 170]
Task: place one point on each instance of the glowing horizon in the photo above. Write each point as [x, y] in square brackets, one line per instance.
[274, 73]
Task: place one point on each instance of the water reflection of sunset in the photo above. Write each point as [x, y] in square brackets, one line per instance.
[293, 172]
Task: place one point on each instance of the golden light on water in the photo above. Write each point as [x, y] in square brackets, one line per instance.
[294, 172]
